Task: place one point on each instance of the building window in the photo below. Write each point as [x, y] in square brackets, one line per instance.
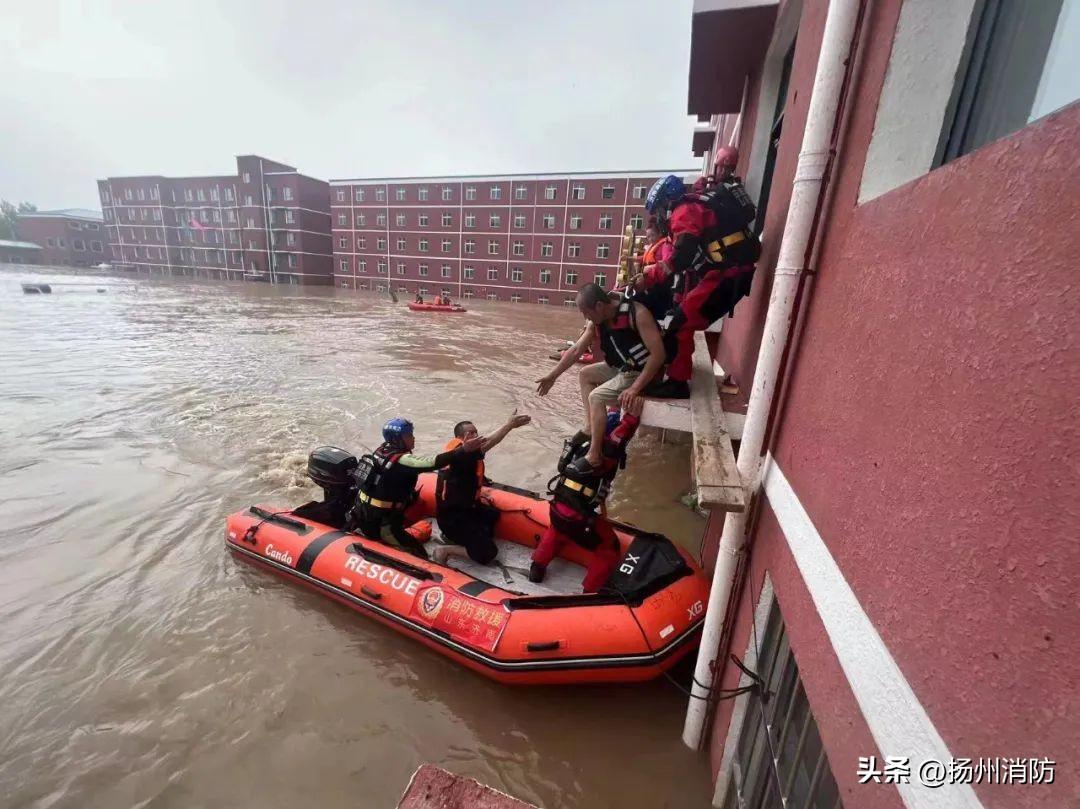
[361, 242]
[380, 245]
[605, 221]
[575, 222]
[600, 279]
[359, 194]
[129, 196]
[493, 274]
[247, 177]
[577, 192]
[569, 302]
[399, 220]
[380, 220]
[638, 192]
[468, 273]
[361, 219]
[422, 291]
[286, 194]
[515, 299]
[550, 192]
[95, 247]
[547, 249]
[520, 192]
[493, 247]
[401, 245]
[447, 193]
[157, 215]
[542, 299]
[342, 219]
[637, 221]
[447, 220]
[188, 196]
[141, 194]
[343, 265]
[494, 221]
[445, 270]
[545, 276]
[608, 192]
[228, 195]
[250, 222]
[290, 217]
[573, 249]
[518, 248]
[470, 192]
[341, 195]
[49, 242]
[155, 194]
[382, 267]
[1017, 71]
[517, 275]
[492, 296]
[470, 220]
[496, 192]
[549, 221]
[401, 268]
[423, 245]
[399, 194]
[249, 202]
[470, 246]
[361, 266]
[800, 774]
[446, 243]
[467, 294]
[423, 269]
[603, 250]
[380, 195]
[343, 242]
[105, 195]
[421, 194]
[519, 220]
[201, 194]
[571, 277]
[293, 262]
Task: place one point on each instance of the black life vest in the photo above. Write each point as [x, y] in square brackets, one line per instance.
[731, 243]
[384, 483]
[620, 341]
[580, 491]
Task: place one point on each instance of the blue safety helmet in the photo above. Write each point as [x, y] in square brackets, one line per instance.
[664, 192]
[395, 431]
[613, 419]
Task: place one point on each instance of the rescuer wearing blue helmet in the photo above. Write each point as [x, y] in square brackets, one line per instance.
[387, 479]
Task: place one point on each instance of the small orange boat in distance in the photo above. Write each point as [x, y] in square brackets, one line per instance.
[491, 619]
[435, 307]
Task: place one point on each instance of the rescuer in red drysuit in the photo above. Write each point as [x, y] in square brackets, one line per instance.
[577, 493]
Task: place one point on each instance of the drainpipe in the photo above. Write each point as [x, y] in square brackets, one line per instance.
[836, 50]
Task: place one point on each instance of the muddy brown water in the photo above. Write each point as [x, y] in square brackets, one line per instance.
[143, 666]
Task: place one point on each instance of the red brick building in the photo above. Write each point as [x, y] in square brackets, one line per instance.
[14, 252]
[531, 238]
[906, 581]
[266, 222]
[72, 237]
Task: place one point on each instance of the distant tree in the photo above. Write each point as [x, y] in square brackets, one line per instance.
[9, 218]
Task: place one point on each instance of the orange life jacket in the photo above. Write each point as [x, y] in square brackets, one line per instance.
[450, 490]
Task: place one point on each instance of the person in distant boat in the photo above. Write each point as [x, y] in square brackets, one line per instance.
[578, 492]
[445, 300]
[387, 479]
[419, 298]
[464, 517]
[633, 353]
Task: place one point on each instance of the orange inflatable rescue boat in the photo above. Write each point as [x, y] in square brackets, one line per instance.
[492, 619]
[435, 307]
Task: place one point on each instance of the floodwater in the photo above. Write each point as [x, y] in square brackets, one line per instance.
[142, 666]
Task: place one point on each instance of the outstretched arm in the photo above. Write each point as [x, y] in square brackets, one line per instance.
[569, 357]
[512, 423]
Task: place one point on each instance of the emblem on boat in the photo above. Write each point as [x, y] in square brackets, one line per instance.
[431, 602]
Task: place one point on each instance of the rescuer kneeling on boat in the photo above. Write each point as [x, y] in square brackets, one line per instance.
[464, 518]
[633, 356]
[387, 480]
[578, 491]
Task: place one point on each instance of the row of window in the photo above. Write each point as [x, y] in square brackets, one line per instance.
[517, 248]
[76, 244]
[520, 221]
[76, 225]
[185, 218]
[468, 272]
[189, 254]
[521, 192]
[467, 294]
[215, 194]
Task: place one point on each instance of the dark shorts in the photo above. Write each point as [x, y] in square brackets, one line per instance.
[472, 528]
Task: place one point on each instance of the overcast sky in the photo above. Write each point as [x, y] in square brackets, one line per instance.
[337, 89]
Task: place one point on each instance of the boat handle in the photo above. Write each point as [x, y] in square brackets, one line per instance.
[372, 594]
[543, 646]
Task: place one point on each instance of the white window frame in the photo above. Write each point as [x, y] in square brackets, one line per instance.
[447, 220]
[545, 277]
[493, 247]
[577, 193]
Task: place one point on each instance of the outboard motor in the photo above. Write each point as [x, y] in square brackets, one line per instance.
[331, 468]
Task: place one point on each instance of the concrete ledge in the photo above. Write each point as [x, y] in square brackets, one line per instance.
[432, 787]
[718, 482]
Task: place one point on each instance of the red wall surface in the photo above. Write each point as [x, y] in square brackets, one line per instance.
[930, 432]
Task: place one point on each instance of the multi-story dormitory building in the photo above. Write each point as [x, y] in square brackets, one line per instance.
[266, 222]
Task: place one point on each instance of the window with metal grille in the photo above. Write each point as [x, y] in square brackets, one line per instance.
[779, 759]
